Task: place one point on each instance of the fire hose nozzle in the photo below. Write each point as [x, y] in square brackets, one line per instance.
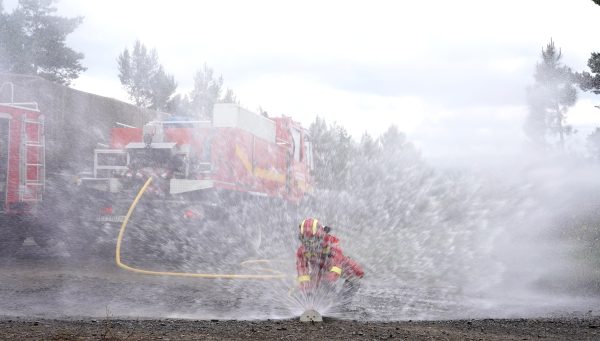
[311, 315]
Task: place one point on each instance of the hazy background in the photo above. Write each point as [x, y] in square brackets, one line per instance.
[519, 239]
[451, 75]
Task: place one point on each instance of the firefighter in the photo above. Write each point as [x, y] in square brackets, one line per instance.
[320, 260]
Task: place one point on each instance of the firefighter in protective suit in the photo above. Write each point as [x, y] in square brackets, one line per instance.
[320, 260]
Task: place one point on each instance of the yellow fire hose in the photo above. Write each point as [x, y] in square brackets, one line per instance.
[275, 274]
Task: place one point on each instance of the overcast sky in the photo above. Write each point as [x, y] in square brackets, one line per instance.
[450, 74]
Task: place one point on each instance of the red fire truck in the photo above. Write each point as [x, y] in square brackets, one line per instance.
[202, 170]
[237, 152]
[22, 172]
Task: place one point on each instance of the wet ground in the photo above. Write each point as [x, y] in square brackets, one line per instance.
[44, 284]
[45, 295]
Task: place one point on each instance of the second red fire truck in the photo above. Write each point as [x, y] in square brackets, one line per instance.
[238, 152]
[222, 173]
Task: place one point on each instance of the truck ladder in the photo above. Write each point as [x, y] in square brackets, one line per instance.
[33, 160]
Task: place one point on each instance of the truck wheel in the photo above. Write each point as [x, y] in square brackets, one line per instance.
[53, 243]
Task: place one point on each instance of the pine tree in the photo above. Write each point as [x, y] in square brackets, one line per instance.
[229, 97]
[549, 98]
[591, 81]
[32, 42]
[333, 154]
[144, 79]
[206, 92]
[322, 139]
[593, 144]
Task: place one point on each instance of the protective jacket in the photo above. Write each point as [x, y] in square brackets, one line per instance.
[326, 263]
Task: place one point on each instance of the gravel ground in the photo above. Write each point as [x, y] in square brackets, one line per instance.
[572, 328]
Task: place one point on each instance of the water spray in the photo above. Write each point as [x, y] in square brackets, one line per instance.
[275, 274]
[310, 315]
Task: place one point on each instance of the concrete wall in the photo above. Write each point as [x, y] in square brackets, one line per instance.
[75, 121]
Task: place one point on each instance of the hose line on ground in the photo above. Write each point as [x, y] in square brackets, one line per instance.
[274, 274]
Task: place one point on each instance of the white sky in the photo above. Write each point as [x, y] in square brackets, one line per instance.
[450, 74]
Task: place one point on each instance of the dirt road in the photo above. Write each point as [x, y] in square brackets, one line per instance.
[113, 329]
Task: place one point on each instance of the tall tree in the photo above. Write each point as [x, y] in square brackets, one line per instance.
[549, 98]
[179, 105]
[163, 88]
[144, 78]
[591, 81]
[593, 144]
[32, 41]
[206, 92]
[229, 97]
[392, 140]
[341, 159]
[368, 147]
[322, 140]
[366, 162]
[333, 153]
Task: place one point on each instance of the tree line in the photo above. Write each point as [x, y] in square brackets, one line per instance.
[149, 86]
[555, 91]
[340, 162]
[33, 41]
